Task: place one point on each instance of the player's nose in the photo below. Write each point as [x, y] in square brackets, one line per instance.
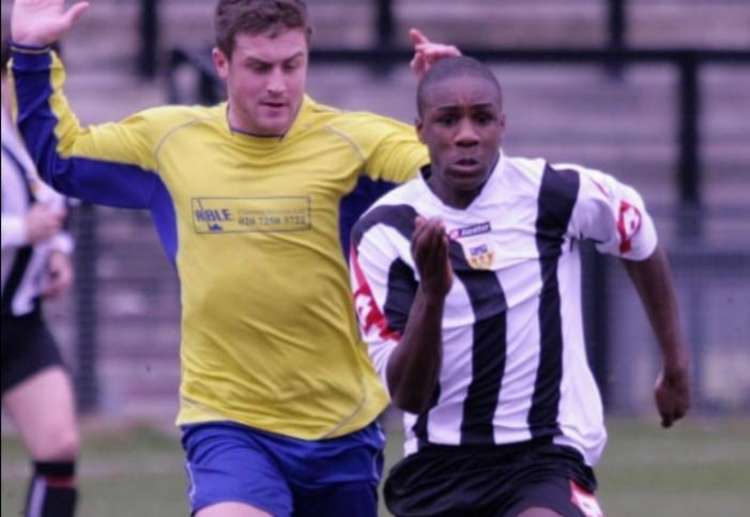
[276, 83]
[466, 134]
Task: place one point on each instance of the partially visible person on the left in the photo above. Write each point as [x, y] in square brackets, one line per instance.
[37, 393]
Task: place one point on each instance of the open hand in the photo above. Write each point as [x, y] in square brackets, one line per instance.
[39, 23]
[426, 52]
[429, 247]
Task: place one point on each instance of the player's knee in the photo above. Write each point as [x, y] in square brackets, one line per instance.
[67, 445]
[59, 444]
[231, 509]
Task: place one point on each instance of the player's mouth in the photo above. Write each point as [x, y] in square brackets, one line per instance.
[466, 164]
[273, 105]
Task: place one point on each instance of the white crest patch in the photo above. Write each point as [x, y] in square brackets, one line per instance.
[479, 253]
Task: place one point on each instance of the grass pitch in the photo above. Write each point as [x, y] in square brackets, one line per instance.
[701, 468]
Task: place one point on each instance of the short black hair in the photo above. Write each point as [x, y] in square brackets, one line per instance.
[450, 67]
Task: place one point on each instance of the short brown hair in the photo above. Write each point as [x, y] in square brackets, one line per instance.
[258, 17]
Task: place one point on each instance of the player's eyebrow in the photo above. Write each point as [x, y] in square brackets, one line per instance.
[295, 56]
[260, 61]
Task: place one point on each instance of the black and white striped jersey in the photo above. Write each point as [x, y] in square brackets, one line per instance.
[514, 362]
[23, 265]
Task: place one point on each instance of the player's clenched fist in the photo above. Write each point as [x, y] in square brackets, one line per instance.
[42, 22]
[672, 395]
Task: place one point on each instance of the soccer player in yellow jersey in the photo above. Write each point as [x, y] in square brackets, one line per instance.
[278, 398]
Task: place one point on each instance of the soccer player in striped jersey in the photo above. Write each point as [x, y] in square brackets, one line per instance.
[278, 399]
[467, 288]
[37, 393]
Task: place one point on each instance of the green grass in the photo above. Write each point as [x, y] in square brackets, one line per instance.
[693, 470]
[699, 469]
[133, 472]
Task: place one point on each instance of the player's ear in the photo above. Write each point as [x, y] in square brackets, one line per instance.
[221, 63]
[419, 126]
[502, 123]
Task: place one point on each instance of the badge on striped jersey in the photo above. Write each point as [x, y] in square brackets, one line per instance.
[479, 255]
[476, 244]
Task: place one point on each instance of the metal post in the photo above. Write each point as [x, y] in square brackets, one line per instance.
[384, 29]
[149, 37]
[689, 113]
[86, 379]
[206, 90]
[689, 166]
[385, 23]
[617, 26]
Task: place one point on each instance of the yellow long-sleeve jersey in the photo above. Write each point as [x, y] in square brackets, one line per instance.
[252, 225]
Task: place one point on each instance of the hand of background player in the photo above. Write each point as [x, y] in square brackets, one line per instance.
[39, 23]
[672, 394]
[429, 247]
[426, 52]
[42, 222]
[59, 275]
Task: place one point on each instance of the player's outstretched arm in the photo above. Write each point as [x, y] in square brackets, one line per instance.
[653, 280]
[427, 52]
[39, 23]
[112, 165]
[414, 367]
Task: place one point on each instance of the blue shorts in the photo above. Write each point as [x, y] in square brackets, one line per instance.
[229, 462]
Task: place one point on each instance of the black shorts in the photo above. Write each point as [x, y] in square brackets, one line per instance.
[500, 481]
[27, 348]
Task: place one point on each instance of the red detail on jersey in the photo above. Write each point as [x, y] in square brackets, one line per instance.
[585, 501]
[365, 305]
[628, 224]
[601, 188]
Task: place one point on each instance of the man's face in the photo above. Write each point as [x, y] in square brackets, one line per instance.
[462, 125]
[265, 79]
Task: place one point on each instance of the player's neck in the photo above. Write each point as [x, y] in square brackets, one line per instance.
[458, 199]
[239, 124]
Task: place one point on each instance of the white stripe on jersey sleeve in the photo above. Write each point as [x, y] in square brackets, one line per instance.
[613, 215]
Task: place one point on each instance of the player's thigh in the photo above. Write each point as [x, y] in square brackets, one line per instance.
[337, 476]
[231, 510]
[228, 470]
[555, 497]
[43, 409]
[356, 498]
